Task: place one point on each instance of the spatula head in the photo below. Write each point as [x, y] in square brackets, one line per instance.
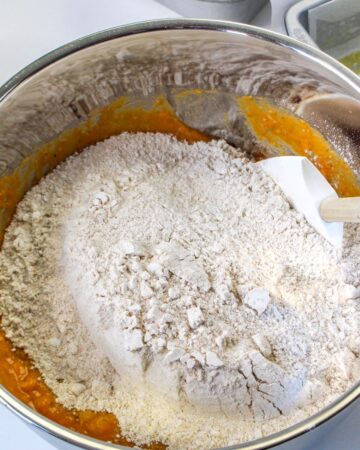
[305, 188]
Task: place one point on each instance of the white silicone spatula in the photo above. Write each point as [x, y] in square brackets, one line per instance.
[310, 193]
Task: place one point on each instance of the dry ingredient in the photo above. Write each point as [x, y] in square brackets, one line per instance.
[224, 314]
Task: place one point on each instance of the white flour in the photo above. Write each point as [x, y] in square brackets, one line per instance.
[225, 315]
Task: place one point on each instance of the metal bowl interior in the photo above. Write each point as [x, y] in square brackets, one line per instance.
[62, 90]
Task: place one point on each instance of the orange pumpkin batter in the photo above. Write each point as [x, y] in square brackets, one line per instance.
[269, 124]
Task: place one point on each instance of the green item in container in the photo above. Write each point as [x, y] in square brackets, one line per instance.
[352, 61]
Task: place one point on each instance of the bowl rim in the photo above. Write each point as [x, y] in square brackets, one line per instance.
[89, 40]
[346, 75]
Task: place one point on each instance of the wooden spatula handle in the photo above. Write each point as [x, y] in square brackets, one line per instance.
[341, 209]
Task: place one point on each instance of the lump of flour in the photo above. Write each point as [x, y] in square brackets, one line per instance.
[174, 282]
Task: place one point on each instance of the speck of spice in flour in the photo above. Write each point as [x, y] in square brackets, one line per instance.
[174, 285]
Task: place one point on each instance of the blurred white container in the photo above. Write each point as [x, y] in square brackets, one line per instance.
[235, 10]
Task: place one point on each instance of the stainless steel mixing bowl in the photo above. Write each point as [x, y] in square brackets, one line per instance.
[60, 90]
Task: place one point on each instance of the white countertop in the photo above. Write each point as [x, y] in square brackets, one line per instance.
[31, 28]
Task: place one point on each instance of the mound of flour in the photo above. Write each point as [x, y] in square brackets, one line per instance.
[174, 285]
